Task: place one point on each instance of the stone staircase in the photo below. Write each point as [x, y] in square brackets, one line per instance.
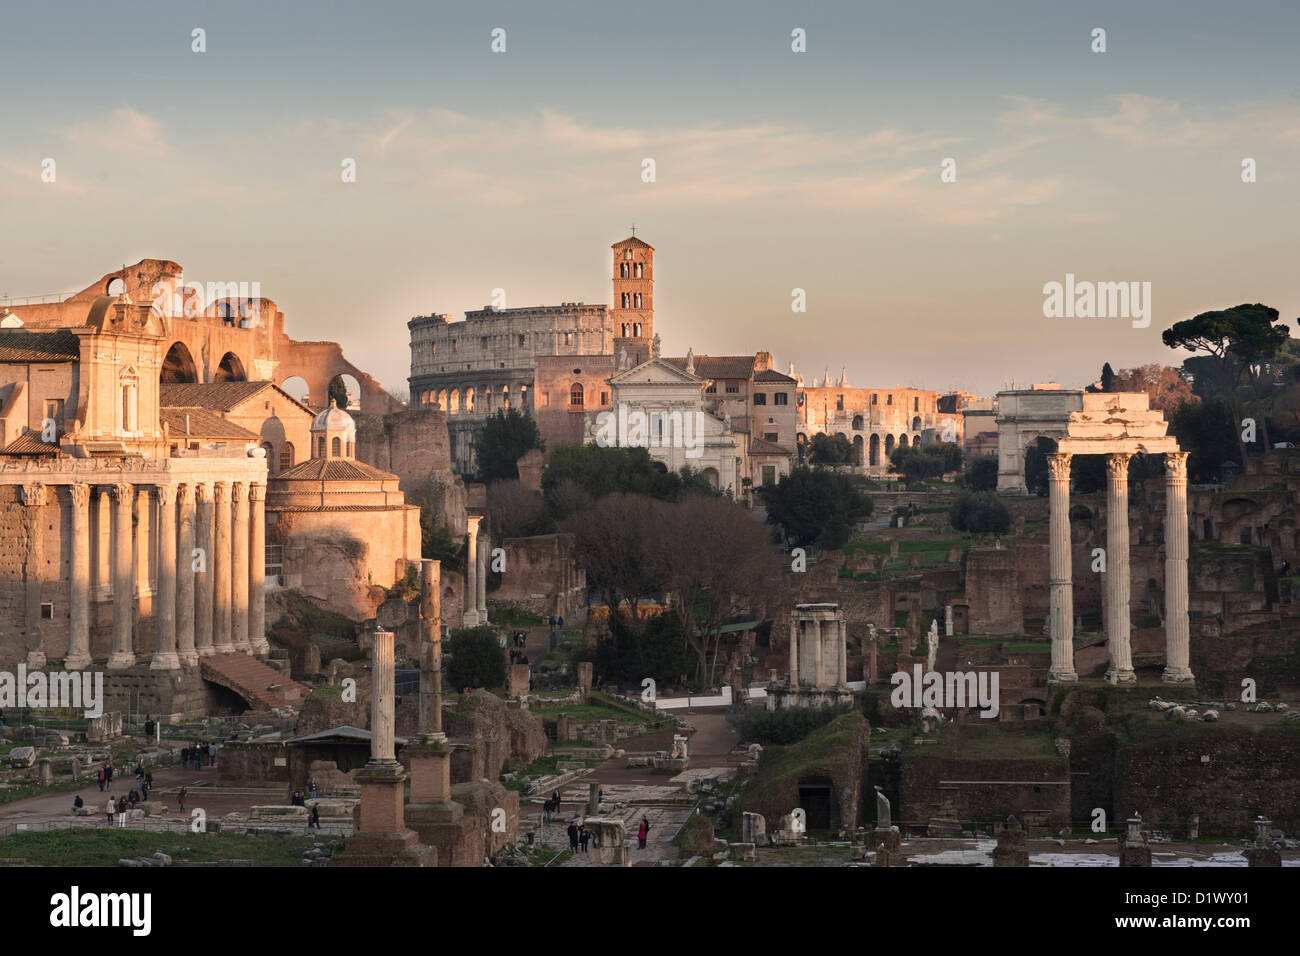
[262, 686]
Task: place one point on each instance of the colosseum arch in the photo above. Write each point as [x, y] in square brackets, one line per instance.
[916, 423]
[178, 366]
[230, 369]
[873, 451]
[889, 445]
[857, 423]
[857, 449]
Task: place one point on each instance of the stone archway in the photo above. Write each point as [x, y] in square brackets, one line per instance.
[230, 369]
[178, 366]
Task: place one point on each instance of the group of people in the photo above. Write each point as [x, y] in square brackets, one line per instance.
[556, 622]
[199, 754]
[104, 775]
[297, 800]
[578, 837]
[552, 805]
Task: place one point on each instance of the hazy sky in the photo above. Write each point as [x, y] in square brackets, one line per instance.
[774, 169]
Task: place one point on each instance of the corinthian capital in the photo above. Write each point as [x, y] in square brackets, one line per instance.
[80, 494]
[33, 494]
[1176, 466]
[1117, 466]
[1058, 466]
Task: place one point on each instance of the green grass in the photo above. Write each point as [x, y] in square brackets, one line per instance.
[22, 792]
[512, 616]
[105, 846]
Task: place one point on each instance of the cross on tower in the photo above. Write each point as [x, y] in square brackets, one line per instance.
[633, 230]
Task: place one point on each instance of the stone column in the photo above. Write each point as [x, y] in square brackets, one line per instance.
[165, 657]
[843, 650]
[143, 531]
[123, 655]
[1117, 572]
[1177, 647]
[257, 571]
[219, 563]
[185, 577]
[79, 579]
[819, 638]
[203, 577]
[103, 544]
[430, 647]
[1061, 571]
[382, 688]
[34, 570]
[947, 620]
[470, 601]
[239, 568]
[484, 551]
[794, 651]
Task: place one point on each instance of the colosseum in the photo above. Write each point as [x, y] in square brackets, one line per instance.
[488, 361]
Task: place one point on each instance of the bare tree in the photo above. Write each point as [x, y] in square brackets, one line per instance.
[515, 510]
[612, 540]
[717, 564]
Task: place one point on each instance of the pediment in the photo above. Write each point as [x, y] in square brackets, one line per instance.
[655, 372]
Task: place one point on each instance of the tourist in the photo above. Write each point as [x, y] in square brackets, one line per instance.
[642, 832]
[312, 788]
[180, 797]
[196, 755]
[296, 800]
[185, 757]
[133, 797]
[108, 773]
[314, 819]
[559, 623]
[546, 811]
[573, 838]
[2, 719]
[584, 835]
[148, 780]
[121, 805]
[555, 796]
[112, 805]
[600, 794]
[78, 803]
[99, 775]
[139, 777]
[212, 754]
[551, 622]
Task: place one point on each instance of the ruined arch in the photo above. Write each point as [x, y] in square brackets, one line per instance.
[857, 449]
[178, 366]
[889, 445]
[873, 451]
[230, 369]
[115, 286]
[295, 386]
[857, 423]
[916, 423]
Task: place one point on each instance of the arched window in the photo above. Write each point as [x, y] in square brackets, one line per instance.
[636, 330]
[638, 270]
[916, 423]
[334, 447]
[352, 449]
[575, 395]
[286, 456]
[320, 447]
[636, 300]
[626, 300]
[622, 270]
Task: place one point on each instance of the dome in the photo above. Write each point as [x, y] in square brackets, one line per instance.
[333, 419]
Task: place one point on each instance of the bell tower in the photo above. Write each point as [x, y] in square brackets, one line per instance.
[633, 311]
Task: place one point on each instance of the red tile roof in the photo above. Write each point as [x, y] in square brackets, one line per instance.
[333, 469]
[29, 443]
[217, 396]
[719, 366]
[21, 345]
[202, 423]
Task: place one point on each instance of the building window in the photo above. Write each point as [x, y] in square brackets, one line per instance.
[781, 398]
[482, 341]
[627, 253]
[626, 299]
[839, 403]
[773, 437]
[523, 340]
[889, 400]
[733, 388]
[453, 345]
[334, 447]
[873, 399]
[638, 270]
[575, 395]
[286, 455]
[274, 564]
[622, 270]
[636, 300]
[568, 338]
[713, 388]
[916, 404]
[320, 447]
[760, 398]
[604, 398]
[769, 474]
[54, 411]
[546, 399]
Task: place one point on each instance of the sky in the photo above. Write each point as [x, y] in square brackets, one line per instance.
[774, 170]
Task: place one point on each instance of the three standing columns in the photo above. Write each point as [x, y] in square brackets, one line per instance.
[1117, 574]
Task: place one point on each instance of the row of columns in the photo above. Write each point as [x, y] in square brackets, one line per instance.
[476, 572]
[824, 642]
[210, 596]
[1116, 604]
